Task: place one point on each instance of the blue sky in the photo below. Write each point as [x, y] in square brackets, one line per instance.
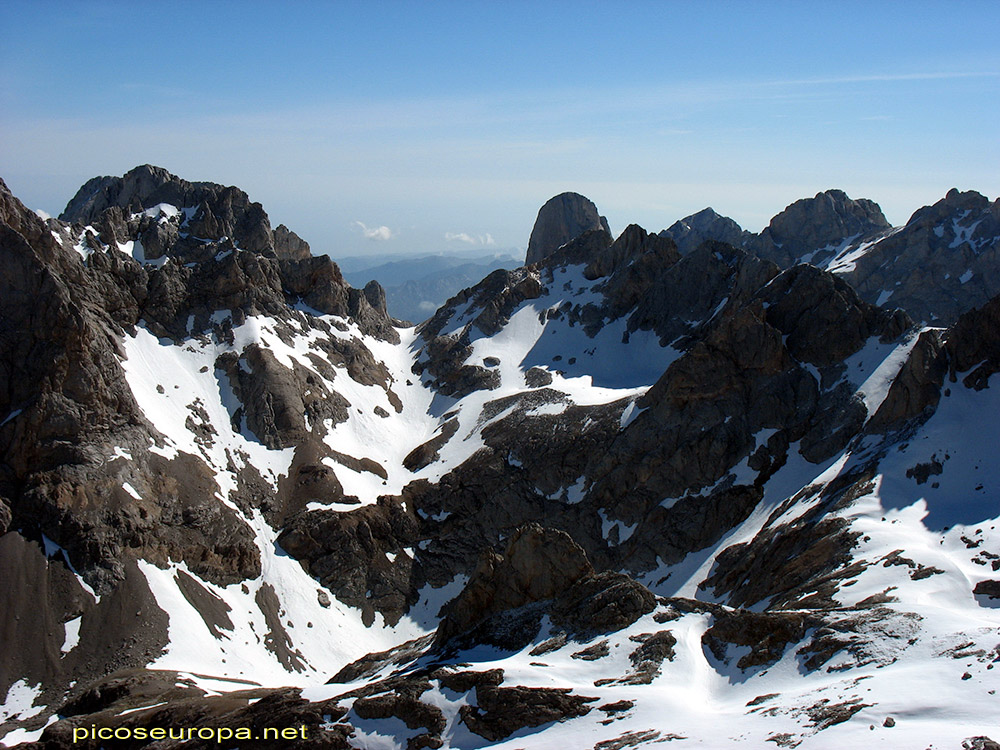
[413, 127]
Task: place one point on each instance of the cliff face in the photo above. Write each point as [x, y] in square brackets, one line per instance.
[227, 471]
[940, 264]
[563, 218]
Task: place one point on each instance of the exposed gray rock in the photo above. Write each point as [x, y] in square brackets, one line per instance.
[646, 660]
[765, 635]
[944, 262]
[371, 664]
[818, 224]
[486, 308]
[538, 564]
[346, 552]
[563, 218]
[287, 244]
[217, 211]
[691, 231]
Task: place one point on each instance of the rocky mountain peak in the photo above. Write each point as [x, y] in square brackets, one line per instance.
[706, 224]
[165, 208]
[957, 204]
[942, 263]
[562, 219]
[811, 225]
[140, 188]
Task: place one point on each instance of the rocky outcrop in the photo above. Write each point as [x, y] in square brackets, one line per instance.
[761, 351]
[537, 564]
[231, 258]
[213, 211]
[676, 298]
[482, 309]
[810, 230]
[289, 245]
[75, 458]
[691, 231]
[563, 218]
[970, 349]
[973, 344]
[365, 556]
[540, 571]
[499, 712]
[943, 262]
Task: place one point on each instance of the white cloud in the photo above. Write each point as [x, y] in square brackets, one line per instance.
[375, 233]
[480, 239]
[42, 214]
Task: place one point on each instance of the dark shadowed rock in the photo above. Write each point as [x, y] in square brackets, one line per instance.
[981, 742]
[654, 649]
[823, 318]
[484, 308]
[217, 211]
[562, 218]
[537, 564]
[371, 664]
[602, 603]
[346, 552]
[410, 710]
[916, 390]
[766, 635]
[499, 712]
[973, 344]
[990, 589]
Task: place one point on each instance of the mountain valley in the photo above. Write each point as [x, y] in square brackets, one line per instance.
[703, 487]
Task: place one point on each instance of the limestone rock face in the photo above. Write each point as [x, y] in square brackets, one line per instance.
[489, 305]
[346, 552]
[287, 244]
[540, 570]
[563, 218]
[974, 342]
[942, 263]
[538, 564]
[548, 467]
[688, 233]
[815, 224]
[215, 211]
[79, 465]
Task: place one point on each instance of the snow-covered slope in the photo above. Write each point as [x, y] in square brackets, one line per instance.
[616, 498]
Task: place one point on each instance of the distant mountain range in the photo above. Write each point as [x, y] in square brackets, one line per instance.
[696, 487]
[943, 261]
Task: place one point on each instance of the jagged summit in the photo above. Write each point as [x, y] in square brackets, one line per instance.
[202, 209]
[563, 218]
[812, 229]
[941, 263]
[132, 190]
[706, 224]
[617, 496]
